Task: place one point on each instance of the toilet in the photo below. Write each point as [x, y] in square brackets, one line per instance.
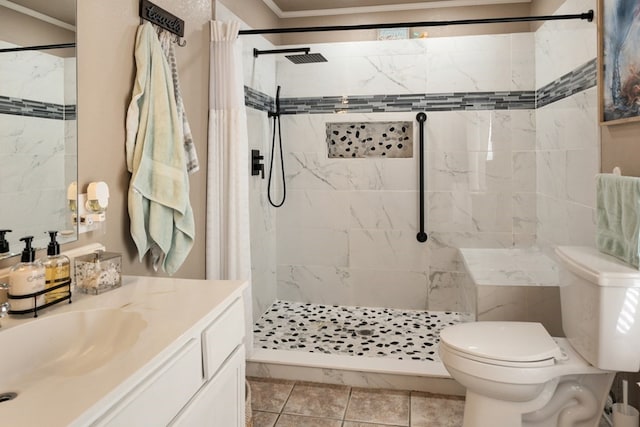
[517, 375]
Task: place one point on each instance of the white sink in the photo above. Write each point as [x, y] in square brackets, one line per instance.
[65, 345]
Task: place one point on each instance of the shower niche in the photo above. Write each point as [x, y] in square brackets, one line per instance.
[370, 139]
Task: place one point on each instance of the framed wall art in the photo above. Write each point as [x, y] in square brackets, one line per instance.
[619, 61]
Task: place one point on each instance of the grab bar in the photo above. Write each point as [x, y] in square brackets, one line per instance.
[421, 236]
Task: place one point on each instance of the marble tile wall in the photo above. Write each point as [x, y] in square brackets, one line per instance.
[346, 234]
[567, 144]
[496, 178]
[33, 131]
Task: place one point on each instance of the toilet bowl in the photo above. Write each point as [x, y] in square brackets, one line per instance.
[514, 372]
[517, 375]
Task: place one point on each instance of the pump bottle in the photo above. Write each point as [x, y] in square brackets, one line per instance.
[57, 270]
[26, 277]
[4, 243]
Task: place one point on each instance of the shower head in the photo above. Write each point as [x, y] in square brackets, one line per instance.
[306, 58]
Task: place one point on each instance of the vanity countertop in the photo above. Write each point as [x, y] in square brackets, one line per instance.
[172, 312]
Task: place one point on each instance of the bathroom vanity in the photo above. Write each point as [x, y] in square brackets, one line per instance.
[157, 351]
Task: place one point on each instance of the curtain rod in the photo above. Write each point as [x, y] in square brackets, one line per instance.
[586, 16]
[41, 47]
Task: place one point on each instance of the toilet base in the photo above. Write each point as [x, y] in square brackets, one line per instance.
[575, 401]
[484, 411]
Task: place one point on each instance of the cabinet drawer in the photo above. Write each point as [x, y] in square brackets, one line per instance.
[159, 397]
[222, 337]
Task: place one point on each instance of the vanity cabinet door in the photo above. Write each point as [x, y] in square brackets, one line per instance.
[220, 402]
[156, 400]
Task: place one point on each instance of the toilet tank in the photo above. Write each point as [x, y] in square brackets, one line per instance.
[600, 303]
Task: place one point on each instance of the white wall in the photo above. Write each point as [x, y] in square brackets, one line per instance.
[567, 138]
[346, 234]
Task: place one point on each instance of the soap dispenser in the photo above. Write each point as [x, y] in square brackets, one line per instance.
[57, 270]
[26, 277]
[4, 244]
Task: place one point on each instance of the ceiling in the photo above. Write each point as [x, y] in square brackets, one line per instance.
[307, 8]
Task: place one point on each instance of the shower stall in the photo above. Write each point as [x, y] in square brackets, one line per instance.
[340, 282]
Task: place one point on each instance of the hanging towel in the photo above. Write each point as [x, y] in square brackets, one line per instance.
[189, 147]
[159, 207]
[618, 216]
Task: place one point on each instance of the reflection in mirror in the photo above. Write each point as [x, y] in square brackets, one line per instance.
[38, 129]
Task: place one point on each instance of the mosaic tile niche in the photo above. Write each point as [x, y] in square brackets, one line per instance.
[370, 139]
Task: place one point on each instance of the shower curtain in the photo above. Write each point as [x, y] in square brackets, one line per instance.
[228, 253]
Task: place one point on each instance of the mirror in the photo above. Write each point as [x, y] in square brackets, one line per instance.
[38, 129]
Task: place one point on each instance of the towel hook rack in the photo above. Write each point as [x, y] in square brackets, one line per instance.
[164, 19]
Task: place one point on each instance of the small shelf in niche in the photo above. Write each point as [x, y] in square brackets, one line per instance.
[369, 139]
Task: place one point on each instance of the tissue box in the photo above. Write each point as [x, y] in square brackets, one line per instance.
[98, 272]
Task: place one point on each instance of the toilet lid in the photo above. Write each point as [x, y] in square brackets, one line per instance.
[508, 342]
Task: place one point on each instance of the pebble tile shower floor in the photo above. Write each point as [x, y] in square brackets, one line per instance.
[355, 331]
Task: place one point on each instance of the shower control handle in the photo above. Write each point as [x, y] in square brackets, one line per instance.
[257, 167]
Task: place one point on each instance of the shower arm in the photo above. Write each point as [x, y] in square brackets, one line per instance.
[588, 16]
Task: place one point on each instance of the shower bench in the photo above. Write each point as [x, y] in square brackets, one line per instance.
[516, 284]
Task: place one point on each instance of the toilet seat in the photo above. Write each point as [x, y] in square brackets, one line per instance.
[509, 344]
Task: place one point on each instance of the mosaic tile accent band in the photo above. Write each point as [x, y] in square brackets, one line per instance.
[370, 139]
[455, 101]
[352, 331]
[258, 100]
[582, 78]
[31, 108]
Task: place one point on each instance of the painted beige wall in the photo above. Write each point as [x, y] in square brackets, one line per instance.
[106, 37]
[24, 30]
[544, 7]
[444, 14]
[621, 147]
[257, 15]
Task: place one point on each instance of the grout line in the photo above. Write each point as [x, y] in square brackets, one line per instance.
[344, 415]
[287, 399]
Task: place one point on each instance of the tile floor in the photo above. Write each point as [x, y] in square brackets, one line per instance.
[283, 403]
[353, 331]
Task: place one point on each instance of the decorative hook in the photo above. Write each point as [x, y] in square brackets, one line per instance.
[180, 41]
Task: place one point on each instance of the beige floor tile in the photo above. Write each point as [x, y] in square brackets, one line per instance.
[436, 410]
[358, 424]
[264, 419]
[379, 406]
[288, 420]
[269, 394]
[318, 400]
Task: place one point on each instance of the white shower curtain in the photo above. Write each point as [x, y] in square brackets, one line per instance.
[228, 253]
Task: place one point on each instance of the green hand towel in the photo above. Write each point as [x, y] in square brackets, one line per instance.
[161, 217]
[618, 216]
